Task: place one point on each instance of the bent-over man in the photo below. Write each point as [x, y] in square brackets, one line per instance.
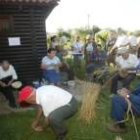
[54, 103]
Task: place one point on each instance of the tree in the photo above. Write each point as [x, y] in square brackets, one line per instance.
[95, 29]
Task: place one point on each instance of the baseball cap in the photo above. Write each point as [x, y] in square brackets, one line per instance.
[24, 93]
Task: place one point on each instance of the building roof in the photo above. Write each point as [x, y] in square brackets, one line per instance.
[32, 1]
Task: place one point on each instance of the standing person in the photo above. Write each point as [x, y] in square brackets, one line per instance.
[125, 62]
[54, 42]
[50, 66]
[132, 42]
[77, 50]
[90, 51]
[54, 103]
[7, 77]
[122, 40]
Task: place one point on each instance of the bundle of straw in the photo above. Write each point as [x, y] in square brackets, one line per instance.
[91, 92]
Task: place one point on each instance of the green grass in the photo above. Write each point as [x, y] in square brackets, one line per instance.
[16, 126]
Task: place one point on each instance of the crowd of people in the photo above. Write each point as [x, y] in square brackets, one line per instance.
[99, 50]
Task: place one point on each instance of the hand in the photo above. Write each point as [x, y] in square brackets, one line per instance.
[52, 64]
[123, 92]
[9, 84]
[34, 124]
[38, 128]
[3, 84]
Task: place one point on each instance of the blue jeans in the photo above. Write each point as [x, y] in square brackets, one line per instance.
[52, 76]
[119, 106]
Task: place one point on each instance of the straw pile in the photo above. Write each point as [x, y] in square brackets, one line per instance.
[91, 93]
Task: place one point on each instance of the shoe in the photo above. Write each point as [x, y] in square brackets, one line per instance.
[61, 136]
[115, 128]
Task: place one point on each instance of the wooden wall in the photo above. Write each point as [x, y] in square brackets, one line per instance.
[29, 25]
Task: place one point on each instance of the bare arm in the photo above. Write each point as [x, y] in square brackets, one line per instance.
[38, 117]
[46, 123]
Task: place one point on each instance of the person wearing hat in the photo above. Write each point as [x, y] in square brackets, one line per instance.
[126, 64]
[54, 103]
[7, 77]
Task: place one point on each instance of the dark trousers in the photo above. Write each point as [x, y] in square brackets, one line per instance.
[57, 117]
[125, 82]
[7, 92]
[68, 71]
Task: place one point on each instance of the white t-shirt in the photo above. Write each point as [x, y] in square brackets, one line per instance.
[48, 61]
[10, 72]
[131, 62]
[132, 40]
[122, 40]
[77, 47]
[89, 47]
[51, 97]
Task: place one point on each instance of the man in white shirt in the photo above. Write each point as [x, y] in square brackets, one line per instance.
[54, 103]
[77, 49]
[132, 42]
[78, 45]
[122, 40]
[126, 63]
[7, 77]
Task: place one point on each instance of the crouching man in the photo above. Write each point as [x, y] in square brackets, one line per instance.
[54, 103]
[119, 107]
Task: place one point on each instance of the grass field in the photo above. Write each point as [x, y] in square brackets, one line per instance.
[16, 126]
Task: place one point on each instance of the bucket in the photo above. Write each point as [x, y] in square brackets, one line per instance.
[71, 84]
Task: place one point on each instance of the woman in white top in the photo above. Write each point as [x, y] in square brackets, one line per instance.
[50, 65]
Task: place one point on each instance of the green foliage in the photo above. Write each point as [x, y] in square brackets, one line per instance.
[95, 29]
[137, 33]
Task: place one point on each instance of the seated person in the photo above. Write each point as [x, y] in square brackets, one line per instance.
[126, 63]
[97, 60]
[7, 77]
[119, 106]
[50, 65]
[61, 53]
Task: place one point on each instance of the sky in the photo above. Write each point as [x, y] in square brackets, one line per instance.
[71, 14]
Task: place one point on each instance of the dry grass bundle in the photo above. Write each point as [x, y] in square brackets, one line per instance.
[91, 93]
